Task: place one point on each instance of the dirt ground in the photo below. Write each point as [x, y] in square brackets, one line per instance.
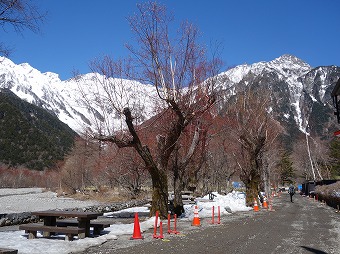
[304, 226]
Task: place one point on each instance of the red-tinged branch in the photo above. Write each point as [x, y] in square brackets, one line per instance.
[121, 143]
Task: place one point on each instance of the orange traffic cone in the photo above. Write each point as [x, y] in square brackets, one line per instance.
[265, 205]
[196, 221]
[136, 229]
[256, 207]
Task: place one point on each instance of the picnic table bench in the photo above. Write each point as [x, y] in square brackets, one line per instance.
[69, 232]
[187, 197]
[80, 227]
[8, 251]
[97, 226]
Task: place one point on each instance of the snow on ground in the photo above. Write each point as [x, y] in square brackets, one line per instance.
[18, 239]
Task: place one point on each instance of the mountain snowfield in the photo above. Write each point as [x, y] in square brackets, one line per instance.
[303, 82]
[65, 98]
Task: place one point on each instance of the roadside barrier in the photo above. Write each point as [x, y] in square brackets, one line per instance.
[175, 225]
[218, 215]
[196, 221]
[160, 236]
[136, 229]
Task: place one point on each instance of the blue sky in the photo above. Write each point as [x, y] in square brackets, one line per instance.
[78, 31]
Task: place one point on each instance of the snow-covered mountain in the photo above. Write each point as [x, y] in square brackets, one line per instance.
[299, 90]
[65, 98]
[301, 93]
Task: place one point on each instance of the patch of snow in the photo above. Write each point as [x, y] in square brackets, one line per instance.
[234, 201]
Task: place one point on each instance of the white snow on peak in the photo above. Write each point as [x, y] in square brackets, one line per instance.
[64, 97]
[287, 66]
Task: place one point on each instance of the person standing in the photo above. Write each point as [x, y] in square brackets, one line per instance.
[291, 191]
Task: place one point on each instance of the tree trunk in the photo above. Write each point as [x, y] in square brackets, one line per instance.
[157, 172]
[178, 187]
[159, 193]
[266, 179]
[252, 189]
[252, 180]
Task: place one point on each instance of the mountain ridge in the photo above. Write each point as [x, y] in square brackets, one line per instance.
[291, 79]
[294, 81]
[62, 98]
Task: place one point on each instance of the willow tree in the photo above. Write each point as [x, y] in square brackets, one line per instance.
[250, 125]
[177, 68]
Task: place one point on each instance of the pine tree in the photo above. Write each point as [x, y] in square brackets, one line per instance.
[335, 157]
[286, 169]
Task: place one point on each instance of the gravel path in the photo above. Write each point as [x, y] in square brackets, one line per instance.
[301, 227]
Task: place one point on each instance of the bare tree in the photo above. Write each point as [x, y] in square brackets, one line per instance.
[184, 161]
[77, 172]
[311, 159]
[248, 124]
[127, 171]
[178, 69]
[20, 15]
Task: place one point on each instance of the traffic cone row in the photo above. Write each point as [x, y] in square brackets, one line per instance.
[266, 204]
[196, 222]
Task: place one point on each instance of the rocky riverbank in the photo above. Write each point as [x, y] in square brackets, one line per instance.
[17, 205]
[26, 217]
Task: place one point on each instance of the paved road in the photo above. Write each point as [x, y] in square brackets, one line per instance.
[304, 226]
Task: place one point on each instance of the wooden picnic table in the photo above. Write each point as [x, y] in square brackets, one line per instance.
[83, 218]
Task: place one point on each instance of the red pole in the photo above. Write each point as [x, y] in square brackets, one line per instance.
[219, 215]
[160, 230]
[213, 215]
[175, 225]
[155, 227]
[169, 229]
